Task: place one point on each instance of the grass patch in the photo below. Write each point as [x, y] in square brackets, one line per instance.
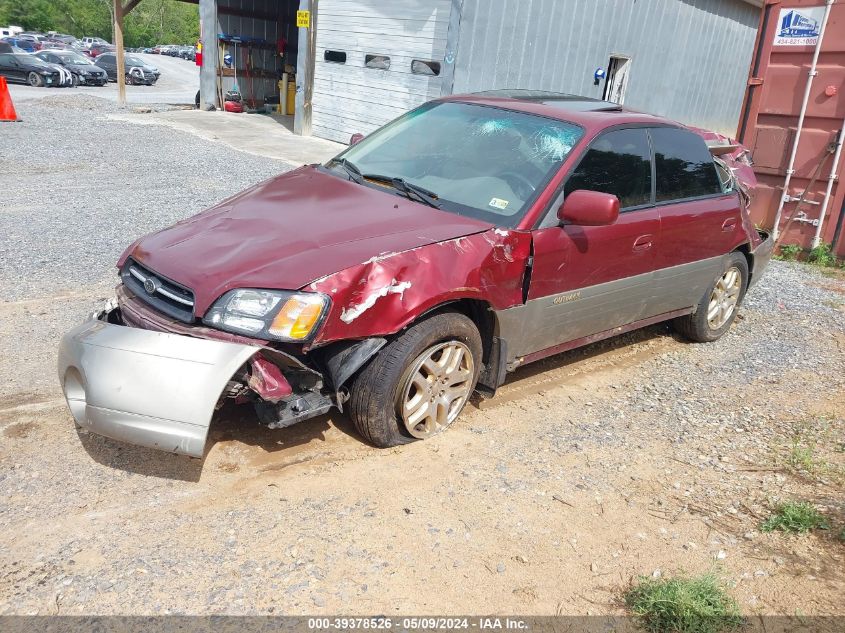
[789, 252]
[822, 255]
[801, 457]
[797, 517]
[684, 605]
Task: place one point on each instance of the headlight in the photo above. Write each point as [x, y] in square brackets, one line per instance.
[271, 314]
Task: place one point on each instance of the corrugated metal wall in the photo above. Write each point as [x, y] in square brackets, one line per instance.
[773, 120]
[350, 97]
[690, 58]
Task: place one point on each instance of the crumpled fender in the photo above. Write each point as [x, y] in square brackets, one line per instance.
[386, 293]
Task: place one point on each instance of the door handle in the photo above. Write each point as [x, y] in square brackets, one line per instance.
[643, 243]
[729, 224]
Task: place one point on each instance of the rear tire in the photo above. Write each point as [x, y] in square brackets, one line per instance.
[418, 384]
[717, 309]
[35, 80]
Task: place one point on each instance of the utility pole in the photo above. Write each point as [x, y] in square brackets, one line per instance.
[118, 43]
[120, 11]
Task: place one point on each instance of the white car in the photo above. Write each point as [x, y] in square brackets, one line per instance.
[88, 42]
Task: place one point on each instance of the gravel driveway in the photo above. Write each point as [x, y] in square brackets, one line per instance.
[639, 455]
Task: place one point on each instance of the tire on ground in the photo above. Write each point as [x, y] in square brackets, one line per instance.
[696, 326]
[374, 390]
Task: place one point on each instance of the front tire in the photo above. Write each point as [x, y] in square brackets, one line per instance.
[419, 383]
[35, 80]
[717, 309]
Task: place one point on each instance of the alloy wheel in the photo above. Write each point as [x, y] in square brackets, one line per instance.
[724, 298]
[437, 387]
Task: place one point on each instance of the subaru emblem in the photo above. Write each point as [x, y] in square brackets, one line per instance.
[151, 285]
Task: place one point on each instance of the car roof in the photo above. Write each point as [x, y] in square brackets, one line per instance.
[592, 114]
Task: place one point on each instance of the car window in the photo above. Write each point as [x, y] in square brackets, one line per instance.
[618, 162]
[32, 60]
[481, 161]
[684, 166]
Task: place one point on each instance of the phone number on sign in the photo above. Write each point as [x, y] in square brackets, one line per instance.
[387, 623]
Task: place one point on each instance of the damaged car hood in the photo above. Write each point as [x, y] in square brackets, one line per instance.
[289, 231]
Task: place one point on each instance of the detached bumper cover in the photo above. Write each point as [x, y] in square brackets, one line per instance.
[149, 388]
[761, 255]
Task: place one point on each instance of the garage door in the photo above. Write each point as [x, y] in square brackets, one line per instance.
[374, 61]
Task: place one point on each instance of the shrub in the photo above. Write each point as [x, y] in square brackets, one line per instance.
[790, 252]
[822, 255]
[684, 605]
[797, 517]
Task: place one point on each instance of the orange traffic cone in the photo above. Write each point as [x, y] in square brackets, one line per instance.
[7, 108]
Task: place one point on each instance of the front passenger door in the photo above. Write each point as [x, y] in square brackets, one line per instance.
[7, 70]
[589, 279]
[107, 63]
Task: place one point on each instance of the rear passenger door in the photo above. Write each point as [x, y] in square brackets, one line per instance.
[699, 222]
[588, 279]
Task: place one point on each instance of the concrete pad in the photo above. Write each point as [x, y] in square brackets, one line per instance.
[260, 134]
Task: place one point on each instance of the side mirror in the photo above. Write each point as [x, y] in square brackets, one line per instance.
[589, 208]
[356, 138]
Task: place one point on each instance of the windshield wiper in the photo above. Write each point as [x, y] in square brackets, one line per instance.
[354, 173]
[413, 192]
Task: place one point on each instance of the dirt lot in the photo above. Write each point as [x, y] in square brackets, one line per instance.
[641, 455]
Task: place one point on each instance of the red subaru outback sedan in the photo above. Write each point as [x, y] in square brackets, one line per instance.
[466, 238]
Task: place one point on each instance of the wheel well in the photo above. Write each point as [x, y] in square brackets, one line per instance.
[480, 313]
[745, 249]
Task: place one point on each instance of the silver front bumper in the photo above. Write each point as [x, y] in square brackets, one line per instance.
[148, 388]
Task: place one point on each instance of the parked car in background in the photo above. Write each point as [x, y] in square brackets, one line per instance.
[27, 44]
[88, 42]
[39, 38]
[469, 237]
[54, 45]
[61, 37]
[10, 31]
[83, 70]
[136, 70]
[28, 69]
[95, 50]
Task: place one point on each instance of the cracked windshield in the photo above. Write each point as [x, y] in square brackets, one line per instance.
[479, 161]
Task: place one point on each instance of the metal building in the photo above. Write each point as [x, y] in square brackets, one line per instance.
[360, 63]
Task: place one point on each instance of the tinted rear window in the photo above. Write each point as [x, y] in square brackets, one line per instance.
[685, 168]
[618, 162]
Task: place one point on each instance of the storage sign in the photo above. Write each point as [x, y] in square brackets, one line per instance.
[303, 19]
[799, 27]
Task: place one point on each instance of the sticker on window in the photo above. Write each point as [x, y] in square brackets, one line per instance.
[498, 203]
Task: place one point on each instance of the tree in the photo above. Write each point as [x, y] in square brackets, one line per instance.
[152, 22]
